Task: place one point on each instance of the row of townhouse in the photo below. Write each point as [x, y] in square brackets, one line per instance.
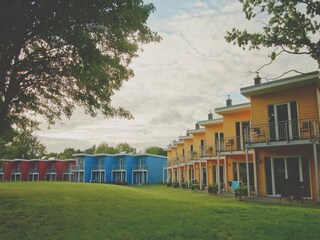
[102, 168]
[120, 168]
[36, 170]
[270, 143]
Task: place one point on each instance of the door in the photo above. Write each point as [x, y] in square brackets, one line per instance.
[283, 121]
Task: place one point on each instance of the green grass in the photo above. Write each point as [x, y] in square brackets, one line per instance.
[45, 210]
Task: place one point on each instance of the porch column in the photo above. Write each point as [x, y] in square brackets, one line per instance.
[207, 175]
[218, 172]
[247, 168]
[172, 174]
[179, 171]
[225, 175]
[188, 175]
[132, 177]
[255, 173]
[200, 177]
[167, 173]
[316, 170]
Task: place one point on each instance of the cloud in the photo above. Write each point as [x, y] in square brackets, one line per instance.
[177, 81]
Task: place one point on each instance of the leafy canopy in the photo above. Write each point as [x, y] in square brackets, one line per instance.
[55, 55]
[290, 26]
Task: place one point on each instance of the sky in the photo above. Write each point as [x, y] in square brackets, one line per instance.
[178, 80]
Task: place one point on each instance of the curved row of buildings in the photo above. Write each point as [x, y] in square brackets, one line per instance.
[270, 143]
[103, 168]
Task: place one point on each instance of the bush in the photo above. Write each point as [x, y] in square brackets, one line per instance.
[195, 187]
[176, 184]
[241, 192]
[169, 184]
[184, 185]
[213, 189]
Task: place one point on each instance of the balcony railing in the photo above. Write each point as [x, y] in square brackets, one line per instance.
[140, 167]
[77, 168]
[284, 131]
[51, 170]
[33, 171]
[207, 151]
[98, 167]
[16, 170]
[118, 167]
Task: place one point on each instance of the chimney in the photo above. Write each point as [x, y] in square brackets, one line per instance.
[210, 115]
[229, 101]
[257, 79]
[197, 126]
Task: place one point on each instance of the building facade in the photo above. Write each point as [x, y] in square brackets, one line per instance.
[270, 143]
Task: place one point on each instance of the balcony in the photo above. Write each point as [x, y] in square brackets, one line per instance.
[16, 171]
[77, 168]
[140, 167]
[33, 171]
[118, 167]
[207, 151]
[50, 171]
[98, 167]
[285, 132]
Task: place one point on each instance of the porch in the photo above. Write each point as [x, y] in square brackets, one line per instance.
[51, 175]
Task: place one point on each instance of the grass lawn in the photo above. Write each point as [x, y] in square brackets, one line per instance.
[62, 210]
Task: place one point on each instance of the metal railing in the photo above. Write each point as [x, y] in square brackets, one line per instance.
[32, 170]
[51, 170]
[16, 170]
[118, 167]
[284, 131]
[98, 167]
[140, 167]
[77, 168]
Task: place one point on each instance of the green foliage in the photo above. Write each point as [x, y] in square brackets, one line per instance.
[195, 186]
[56, 55]
[125, 147]
[156, 151]
[213, 189]
[105, 148]
[23, 144]
[241, 192]
[184, 185]
[169, 184]
[176, 184]
[292, 27]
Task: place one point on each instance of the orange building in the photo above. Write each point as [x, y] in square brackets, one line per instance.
[270, 143]
[284, 134]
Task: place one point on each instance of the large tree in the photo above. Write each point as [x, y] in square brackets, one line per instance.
[55, 55]
[289, 26]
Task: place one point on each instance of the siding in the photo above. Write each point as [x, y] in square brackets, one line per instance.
[229, 121]
[305, 97]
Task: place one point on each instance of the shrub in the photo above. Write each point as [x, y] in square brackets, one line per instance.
[195, 187]
[176, 184]
[213, 189]
[184, 185]
[241, 192]
[169, 184]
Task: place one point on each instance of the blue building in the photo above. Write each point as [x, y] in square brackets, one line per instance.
[120, 168]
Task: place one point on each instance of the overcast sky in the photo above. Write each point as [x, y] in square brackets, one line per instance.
[177, 81]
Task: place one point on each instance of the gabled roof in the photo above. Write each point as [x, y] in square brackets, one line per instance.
[282, 84]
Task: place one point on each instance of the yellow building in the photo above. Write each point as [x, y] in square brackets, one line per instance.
[285, 135]
[270, 143]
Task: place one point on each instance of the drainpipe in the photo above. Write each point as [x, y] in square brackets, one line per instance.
[315, 157]
[247, 166]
